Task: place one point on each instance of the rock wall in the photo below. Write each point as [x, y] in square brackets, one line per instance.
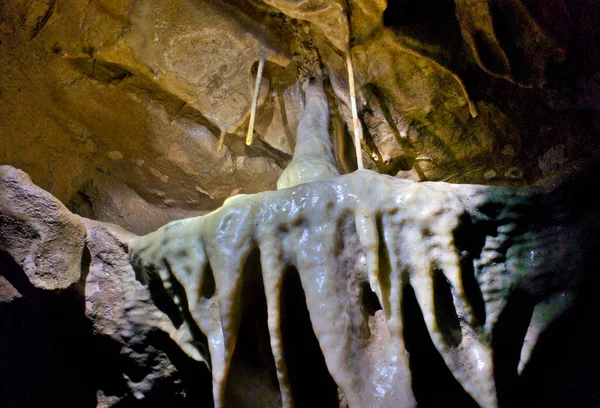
[116, 108]
[138, 93]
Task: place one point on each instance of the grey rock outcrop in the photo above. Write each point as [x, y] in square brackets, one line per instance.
[39, 232]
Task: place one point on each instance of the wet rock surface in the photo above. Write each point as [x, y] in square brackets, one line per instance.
[115, 110]
[123, 338]
[141, 92]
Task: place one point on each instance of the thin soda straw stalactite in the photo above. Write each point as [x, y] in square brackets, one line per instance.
[221, 140]
[350, 66]
[259, 73]
[355, 121]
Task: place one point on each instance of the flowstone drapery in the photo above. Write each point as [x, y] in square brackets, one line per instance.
[359, 290]
[361, 244]
[362, 232]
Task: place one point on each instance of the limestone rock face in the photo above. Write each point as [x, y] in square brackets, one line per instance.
[122, 308]
[111, 200]
[358, 290]
[78, 329]
[118, 97]
[325, 293]
[38, 231]
[139, 92]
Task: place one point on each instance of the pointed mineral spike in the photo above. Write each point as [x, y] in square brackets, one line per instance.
[259, 74]
[544, 314]
[273, 269]
[366, 227]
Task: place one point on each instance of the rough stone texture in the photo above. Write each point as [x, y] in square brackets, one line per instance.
[121, 308]
[117, 95]
[527, 289]
[110, 200]
[115, 108]
[140, 91]
[38, 231]
[102, 339]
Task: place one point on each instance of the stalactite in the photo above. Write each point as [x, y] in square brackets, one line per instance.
[406, 234]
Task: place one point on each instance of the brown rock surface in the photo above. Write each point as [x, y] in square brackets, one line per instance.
[140, 92]
[116, 108]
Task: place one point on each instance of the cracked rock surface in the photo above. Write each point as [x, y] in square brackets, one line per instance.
[138, 93]
[360, 290]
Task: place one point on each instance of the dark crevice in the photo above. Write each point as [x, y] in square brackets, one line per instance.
[101, 71]
[426, 364]
[209, 287]
[491, 209]
[400, 13]
[385, 267]
[369, 300]
[173, 104]
[469, 239]
[252, 380]
[445, 310]
[43, 19]
[162, 299]
[177, 313]
[311, 383]
[343, 146]
[490, 55]
[507, 341]
[86, 260]
[260, 148]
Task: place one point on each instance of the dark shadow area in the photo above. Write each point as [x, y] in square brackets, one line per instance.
[432, 382]
[400, 13]
[189, 387]
[570, 198]
[469, 240]
[507, 341]
[490, 55]
[179, 314]
[312, 385]
[445, 311]
[49, 354]
[369, 300]
[385, 267]
[343, 145]
[252, 380]
[564, 370]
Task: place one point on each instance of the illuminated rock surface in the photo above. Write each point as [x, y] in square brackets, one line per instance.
[353, 290]
[459, 248]
[138, 93]
[394, 282]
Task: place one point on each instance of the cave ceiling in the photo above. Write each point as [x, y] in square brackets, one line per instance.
[116, 107]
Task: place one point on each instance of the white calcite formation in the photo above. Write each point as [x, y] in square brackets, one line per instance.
[342, 233]
[454, 245]
[338, 234]
[313, 159]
